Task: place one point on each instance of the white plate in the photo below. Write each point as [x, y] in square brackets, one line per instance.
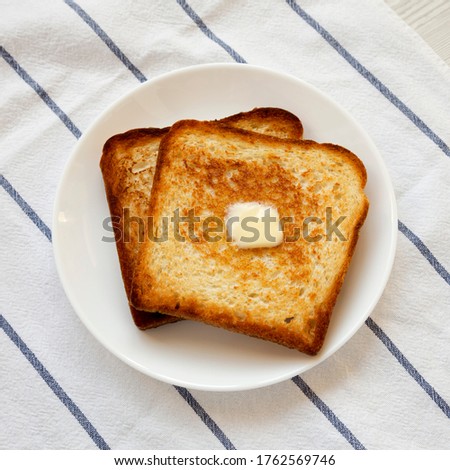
[186, 353]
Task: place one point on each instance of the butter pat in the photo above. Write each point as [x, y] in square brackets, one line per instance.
[253, 225]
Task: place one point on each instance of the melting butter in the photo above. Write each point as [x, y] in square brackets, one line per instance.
[253, 225]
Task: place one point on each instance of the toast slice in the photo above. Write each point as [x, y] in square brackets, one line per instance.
[284, 294]
[128, 163]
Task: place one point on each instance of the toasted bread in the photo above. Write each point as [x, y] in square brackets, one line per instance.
[284, 294]
[128, 163]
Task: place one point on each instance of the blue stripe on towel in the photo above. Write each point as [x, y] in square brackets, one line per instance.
[107, 40]
[204, 416]
[26, 351]
[40, 91]
[370, 77]
[425, 251]
[412, 371]
[208, 33]
[328, 413]
[53, 384]
[31, 214]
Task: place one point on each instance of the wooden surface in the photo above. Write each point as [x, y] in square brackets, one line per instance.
[430, 18]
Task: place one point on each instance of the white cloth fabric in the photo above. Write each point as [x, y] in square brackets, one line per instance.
[387, 388]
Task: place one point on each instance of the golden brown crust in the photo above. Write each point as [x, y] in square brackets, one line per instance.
[288, 126]
[128, 191]
[325, 315]
[114, 166]
[280, 316]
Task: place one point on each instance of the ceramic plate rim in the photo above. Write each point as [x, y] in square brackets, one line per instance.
[205, 68]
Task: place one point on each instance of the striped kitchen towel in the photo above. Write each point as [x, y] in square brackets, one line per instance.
[63, 63]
